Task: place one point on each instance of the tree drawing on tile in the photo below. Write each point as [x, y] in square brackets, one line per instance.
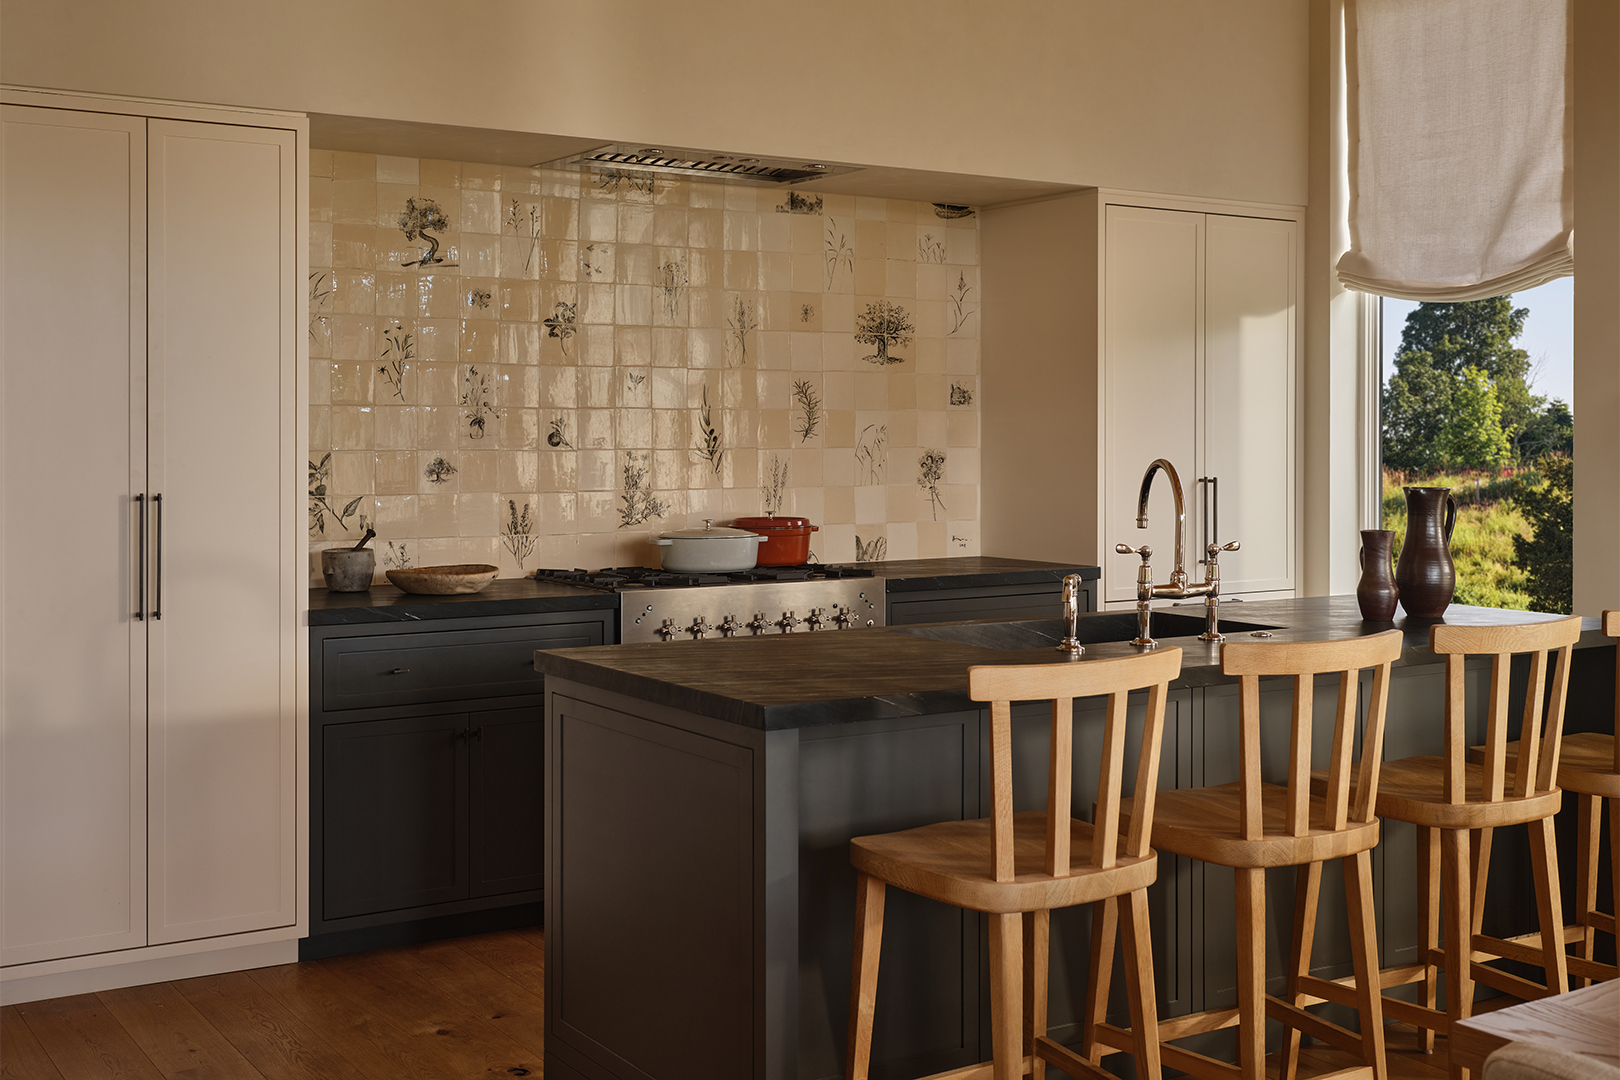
[775, 486]
[930, 474]
[640, 501]
[799, 204]
[421, 218]
[618, 180]
[633, 381]
[398, 347]
[839, 253]
[872, 455]
[807, 410]
[930, 249]
[320, 505]
[515, 532]
[874, 550]
[558, 435]
[593, 260]
[480, 298]
[950, 211]
[672, 279]
[562, 324]
[709, 446]
[396, 557]
[886, 325]
[960, 312]
[959, 541]
[320, 299]
[518, 221]
[477, 397]
[439, 470]
[740, 322]
[961, 395]
[807, 312]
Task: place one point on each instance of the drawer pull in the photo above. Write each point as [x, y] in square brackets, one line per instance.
[400, 671]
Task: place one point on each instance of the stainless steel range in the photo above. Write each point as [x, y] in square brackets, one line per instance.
[655, 605]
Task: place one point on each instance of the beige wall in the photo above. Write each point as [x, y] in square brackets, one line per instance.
[1185, 97]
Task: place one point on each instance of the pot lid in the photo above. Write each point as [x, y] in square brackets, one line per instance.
[771, 521]
[708, 532]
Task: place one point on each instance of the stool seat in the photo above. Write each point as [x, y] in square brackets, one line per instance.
[1413, 789]
[1585, 764]
[1207, 824]
[950, 862]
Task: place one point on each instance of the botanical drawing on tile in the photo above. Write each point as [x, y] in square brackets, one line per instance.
[538, 367]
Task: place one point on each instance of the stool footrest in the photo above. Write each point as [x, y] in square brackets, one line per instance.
[1340, 992]
[1405, 975]
[1313, 1025]
[984, 1070]
[1055, 1053]
[1598, 920]
[1526, 948]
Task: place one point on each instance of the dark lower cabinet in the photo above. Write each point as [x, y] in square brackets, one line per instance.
[427, 777]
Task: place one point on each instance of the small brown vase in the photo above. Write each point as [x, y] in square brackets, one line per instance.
[1376, 593]
[1425, 574]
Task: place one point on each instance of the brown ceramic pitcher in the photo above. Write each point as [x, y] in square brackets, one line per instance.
[1425, 574]
[1375, 593]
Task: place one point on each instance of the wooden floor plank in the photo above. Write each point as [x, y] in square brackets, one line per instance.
[21, 1056]
[534, 935]
[476, 1046]
[277, 1042]
[517, 1011]
[511, 954]
[364, 1033]
[85, 1041]
[177, 1038]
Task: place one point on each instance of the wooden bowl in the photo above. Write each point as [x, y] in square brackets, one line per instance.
[444, 580]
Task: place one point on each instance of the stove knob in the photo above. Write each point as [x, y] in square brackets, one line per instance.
[817, 617]
[729, 626]
[788, 621]
[700, 628]
[667, 631]
[757, 624]
[843, 618]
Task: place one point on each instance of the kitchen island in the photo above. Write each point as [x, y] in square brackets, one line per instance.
[701, 796]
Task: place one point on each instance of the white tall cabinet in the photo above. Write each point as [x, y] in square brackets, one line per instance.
[1120, 328]
[153, 567]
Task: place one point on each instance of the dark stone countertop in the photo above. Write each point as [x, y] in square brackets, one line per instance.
[526, 596]
[503, 596]
[807, 680]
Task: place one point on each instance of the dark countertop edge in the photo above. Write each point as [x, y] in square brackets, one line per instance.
[920, 575]
[833, 711]
[386, 604]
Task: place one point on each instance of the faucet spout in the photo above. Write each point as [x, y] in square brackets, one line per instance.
[1178, 577]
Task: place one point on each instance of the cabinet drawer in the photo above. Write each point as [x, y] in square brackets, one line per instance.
[410, 669]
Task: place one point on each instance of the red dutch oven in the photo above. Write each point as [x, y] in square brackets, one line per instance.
[787, 539]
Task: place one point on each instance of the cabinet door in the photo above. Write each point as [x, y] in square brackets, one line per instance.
[223, 296]
[395, 814]
[1152, 320]
[1248, 434]
[72, 655]
[507, 789]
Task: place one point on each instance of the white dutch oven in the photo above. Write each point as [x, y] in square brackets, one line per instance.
[709, 550]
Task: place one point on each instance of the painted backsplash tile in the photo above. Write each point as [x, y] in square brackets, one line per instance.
[546, 368]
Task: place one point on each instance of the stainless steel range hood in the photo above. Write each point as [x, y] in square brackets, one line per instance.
[632, 158]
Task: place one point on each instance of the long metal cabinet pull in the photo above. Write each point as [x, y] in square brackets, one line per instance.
[157, 600]
[140, 558]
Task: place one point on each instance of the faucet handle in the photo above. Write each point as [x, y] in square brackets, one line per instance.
[1126, 549]
[1216, 549]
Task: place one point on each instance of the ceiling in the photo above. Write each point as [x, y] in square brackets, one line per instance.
[401, 138]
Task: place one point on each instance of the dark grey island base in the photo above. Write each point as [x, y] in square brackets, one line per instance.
[701, 796]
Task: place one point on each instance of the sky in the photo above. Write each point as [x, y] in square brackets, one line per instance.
[1549, 336]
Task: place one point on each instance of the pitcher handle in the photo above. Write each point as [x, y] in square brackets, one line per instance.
[1451, 517]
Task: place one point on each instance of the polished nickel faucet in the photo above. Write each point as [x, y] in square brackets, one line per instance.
[1178, 588]
[1071, 616]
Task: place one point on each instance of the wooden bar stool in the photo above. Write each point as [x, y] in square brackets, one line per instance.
[1250, 825]
[1589, 766]
[1456, 804]
[1017, 867]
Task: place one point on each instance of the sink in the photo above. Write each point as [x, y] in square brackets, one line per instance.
[1092, 629]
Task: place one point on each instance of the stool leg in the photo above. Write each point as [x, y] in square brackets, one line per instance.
[1358, 896]
[1549, 904]
[1479, 873]
[1614, 868]
[1037, 952]
[1454, 894]
[1250, 887]
[1006, 990]
[1138, 944]
[1429, 911]
[1307, 891]
[863, 973]
[1587, 840]
[1104, 923]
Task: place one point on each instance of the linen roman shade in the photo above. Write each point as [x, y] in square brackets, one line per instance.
[1459, 115]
